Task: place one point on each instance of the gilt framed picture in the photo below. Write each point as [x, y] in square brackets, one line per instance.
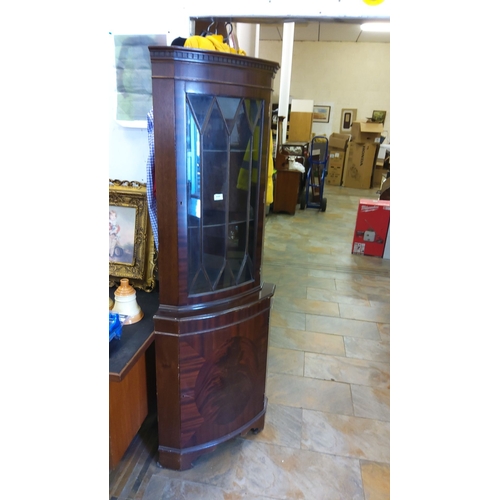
[131, 246]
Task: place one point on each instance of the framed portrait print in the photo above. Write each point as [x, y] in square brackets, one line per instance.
[321, 114]
[346, 118]
[131, 246]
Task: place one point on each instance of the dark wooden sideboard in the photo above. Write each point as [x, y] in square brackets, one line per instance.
[131, 378]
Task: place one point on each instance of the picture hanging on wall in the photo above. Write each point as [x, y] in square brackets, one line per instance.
[131, 245]
[379, 116]
[321, 114]
[133, 77]
[346, 118]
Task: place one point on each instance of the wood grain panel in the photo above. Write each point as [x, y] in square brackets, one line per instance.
[128, 407]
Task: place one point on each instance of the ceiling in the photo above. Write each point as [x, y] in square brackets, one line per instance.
[313, 29]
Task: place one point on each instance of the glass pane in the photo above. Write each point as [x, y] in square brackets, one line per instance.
[214, 195]
[193, 176]
[201, 104]
[223, 164]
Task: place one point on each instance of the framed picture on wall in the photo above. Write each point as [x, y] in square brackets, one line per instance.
[379, 116]
[346, 118]
[321, 114]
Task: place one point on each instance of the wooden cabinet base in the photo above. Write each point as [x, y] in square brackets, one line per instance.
[128, 407]
[177, 459]
[211, 375]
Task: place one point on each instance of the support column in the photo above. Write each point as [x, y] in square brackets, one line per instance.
[286, 73]
[248, 38]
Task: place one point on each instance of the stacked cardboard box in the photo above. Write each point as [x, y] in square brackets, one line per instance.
[337, 147]
[361, 154]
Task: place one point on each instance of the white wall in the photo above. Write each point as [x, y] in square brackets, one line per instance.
[349, 75]
[344, 75]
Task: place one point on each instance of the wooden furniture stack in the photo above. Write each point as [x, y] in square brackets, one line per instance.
[288, 182]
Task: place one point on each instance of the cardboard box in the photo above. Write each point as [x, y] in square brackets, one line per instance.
[366, 132]
[334, 177]
[338, 141]
[372, 225]
[358, 167]
[336, 158]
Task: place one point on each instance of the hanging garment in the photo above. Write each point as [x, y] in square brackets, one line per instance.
[211, 42]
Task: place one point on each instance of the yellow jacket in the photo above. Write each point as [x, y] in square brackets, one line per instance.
[211, 42]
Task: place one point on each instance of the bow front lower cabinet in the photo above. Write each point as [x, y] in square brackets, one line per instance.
[212, 114]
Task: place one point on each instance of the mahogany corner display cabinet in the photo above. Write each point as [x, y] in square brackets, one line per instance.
[212, 113]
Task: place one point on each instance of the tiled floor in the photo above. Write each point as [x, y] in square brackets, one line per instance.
[327, 424]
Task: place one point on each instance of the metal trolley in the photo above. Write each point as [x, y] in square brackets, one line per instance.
[312, 195]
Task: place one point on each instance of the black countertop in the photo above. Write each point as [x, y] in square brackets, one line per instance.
[135, 338]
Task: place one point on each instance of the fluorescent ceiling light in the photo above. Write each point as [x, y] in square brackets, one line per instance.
[380, 27]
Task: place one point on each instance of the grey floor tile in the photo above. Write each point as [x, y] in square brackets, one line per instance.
[286, 361]
[346, 436]
[341, 326]
[288, 319]
[371, 402]
[288, 338]
[375, 350]
[283, 426]
[314, 394]
[376, 312]
[348, 370]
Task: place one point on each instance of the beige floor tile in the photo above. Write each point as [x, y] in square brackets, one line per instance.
[377, 313]
[293, 281]
[314, 394]
[385, 331]
[288, 319]
[294, 291]
[348, 370]
[287, 473]
[376, 292]
[341, 326]
[371, 402]
[375, 350]
[346, 436]
[160, 488]
[289, 338]
[306, 306]
[376, 480]
[286, 361]
[335, 296]
[283, 426]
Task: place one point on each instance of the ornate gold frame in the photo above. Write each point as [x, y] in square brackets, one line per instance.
[141, 272]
